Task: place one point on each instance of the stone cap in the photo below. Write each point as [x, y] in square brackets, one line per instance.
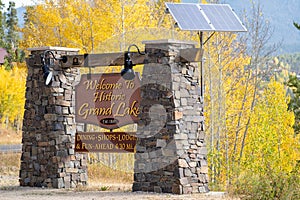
[44, 48]
[169, 41]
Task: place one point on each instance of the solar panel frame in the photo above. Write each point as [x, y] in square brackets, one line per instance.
[203, 17]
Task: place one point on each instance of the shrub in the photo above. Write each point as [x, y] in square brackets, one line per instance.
[269, 185]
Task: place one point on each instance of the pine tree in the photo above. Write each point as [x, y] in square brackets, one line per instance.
[294, 105]
[297, 25]
[12, 36]
[2, 28]
[11, 25]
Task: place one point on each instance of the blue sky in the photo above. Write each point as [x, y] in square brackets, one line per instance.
[19, 3]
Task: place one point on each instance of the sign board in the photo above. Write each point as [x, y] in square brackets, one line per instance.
[119, 142]
[107, 100]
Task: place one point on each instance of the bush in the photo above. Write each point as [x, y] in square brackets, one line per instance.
[269, 185]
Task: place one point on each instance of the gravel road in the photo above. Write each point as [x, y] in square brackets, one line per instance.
[9, 190]
[5, 148]
[21, 193]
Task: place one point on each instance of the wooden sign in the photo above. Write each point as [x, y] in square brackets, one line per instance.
[118, 142]
[107, 100]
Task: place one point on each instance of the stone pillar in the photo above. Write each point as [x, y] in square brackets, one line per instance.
[171, 155]
[48, 152]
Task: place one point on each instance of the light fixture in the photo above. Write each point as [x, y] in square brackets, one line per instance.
[128, 73]
[47, 74]
[46, 66]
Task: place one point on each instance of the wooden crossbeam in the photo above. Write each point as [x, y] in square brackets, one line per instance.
[190, 55]
[117, 59]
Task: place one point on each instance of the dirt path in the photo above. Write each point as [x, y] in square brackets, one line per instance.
[21, 193]
[9, 190]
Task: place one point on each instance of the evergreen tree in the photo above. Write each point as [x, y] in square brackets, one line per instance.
[297, 25]
[12, 36]
[294, 104]
[11, 25]
[2, 28]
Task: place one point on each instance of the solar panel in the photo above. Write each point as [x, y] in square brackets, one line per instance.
[205, 17]
[222, 17]
[185, 14]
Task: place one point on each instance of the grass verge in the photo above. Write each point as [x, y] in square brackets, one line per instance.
[101, 177]
[9, 136]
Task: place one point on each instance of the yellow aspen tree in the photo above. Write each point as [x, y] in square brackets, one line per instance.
[92, 26]
[12, 96]
[225, 89]
[271, 143]
[64, 23]
[268, 168]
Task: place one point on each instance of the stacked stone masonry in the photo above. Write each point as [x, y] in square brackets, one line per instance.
[48, 152]
[171, 153]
